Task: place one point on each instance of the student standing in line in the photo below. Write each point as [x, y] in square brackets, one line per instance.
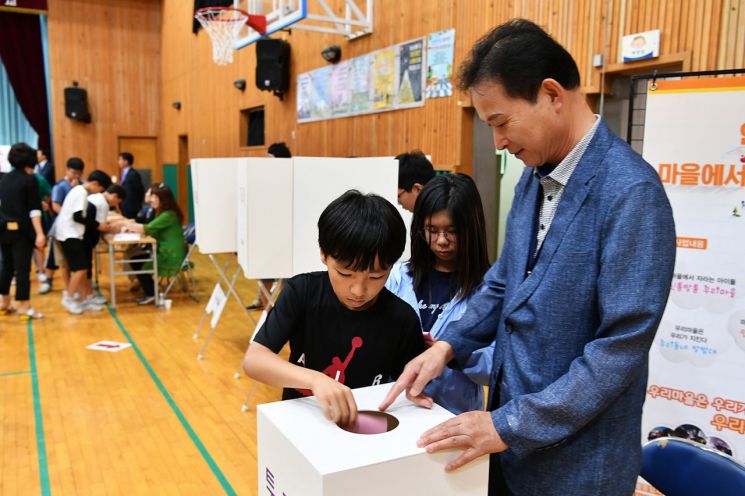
[73, 175]
[20, 230]
[414, 172]
[448, 262]
[69, 230]
[344, 328]
[96, 217]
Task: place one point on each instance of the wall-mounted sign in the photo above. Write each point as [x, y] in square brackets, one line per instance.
[639, 46]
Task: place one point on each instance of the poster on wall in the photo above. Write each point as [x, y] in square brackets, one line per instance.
[304, 96]
[341, 97]
[695, 138]
[320, 104]
[359, 83]
[383, 78]
[440, 48]
[410, 72]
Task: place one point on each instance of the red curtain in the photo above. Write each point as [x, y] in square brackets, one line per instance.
[22, 56]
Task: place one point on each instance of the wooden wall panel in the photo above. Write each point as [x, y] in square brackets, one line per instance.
[112, 49]
[136, 57]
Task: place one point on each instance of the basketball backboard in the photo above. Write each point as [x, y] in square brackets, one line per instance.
[280, 14]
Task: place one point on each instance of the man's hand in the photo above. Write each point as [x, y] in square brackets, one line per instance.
[473, 432]
[335, 398]
[417, 373]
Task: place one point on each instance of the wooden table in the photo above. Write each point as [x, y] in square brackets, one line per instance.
[113, 242]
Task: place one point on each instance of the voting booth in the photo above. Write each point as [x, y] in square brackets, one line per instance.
[215, 202]
[265, 187]
[266, 209]
[302, 453]
[280, 200]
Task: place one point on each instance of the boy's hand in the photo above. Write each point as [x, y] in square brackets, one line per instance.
[335, 398]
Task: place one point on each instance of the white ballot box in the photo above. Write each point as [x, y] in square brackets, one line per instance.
[303, 454]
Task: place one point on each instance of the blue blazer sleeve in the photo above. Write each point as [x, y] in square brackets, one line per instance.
[478, 326]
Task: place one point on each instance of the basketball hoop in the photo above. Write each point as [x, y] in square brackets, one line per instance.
[223, 25]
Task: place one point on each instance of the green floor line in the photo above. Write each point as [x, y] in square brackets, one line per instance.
[20, 372]
[195, 439]
[41, 447]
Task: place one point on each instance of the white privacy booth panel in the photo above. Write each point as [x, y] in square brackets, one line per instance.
[320, 180]
[215, 203]
[265, 189]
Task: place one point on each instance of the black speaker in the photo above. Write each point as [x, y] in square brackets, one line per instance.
[76, 104]
[273, 65]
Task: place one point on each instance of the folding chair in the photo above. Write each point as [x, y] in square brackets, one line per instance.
[679, 467]
[186, 272]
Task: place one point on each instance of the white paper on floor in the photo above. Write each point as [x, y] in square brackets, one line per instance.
[111, 346]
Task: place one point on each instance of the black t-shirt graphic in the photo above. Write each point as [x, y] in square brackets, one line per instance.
[357, 348]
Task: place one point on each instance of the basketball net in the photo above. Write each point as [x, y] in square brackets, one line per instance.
[223, 25]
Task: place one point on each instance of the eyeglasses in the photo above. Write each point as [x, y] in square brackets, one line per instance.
[431, 234]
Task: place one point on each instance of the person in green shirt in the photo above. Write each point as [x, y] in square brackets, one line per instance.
[166, 229]
[45, 194]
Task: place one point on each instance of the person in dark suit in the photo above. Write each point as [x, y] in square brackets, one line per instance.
[131, 181]
[44, 166]
[577, 294]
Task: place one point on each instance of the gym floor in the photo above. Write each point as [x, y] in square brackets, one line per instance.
[150, 419]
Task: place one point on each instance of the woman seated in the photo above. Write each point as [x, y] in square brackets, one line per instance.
[166, 229]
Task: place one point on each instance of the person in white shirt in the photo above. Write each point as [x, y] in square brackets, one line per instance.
[98, 209]
[69, 230]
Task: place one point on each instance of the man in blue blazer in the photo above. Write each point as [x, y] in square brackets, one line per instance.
[131, 181]
[575, 299]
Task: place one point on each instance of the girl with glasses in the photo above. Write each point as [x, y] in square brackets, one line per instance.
[448, 261]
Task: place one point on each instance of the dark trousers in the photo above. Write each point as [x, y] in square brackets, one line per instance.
[497, 484]
[146, 280]
[51, 264]
[16, 261]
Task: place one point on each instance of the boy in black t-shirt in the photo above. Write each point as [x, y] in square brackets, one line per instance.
[345, 329]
